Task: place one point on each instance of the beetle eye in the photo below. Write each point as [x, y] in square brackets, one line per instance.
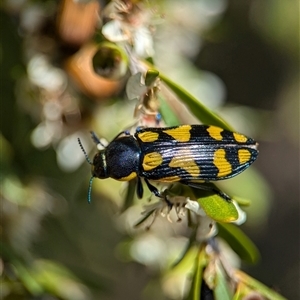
[99, 166]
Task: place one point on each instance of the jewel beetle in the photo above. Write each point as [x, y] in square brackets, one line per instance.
[189, 154]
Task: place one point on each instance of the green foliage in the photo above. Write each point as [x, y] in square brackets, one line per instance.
[203, 114]
[53, 244]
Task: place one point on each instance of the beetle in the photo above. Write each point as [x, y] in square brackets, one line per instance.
[189, 154]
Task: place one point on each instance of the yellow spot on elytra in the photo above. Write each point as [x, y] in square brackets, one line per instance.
[152, 160]
[215, 132]
[221, 163]
[244, 155]
[240, 137]
[148, 136]
[183, 159]
[180, 133]
[170, 179]
[129, 177]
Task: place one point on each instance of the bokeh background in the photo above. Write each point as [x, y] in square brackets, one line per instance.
[241, 58]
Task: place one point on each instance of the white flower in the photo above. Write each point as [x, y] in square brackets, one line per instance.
[147, 108]
[129, 23]
[242, 215]
[195, 207]
[206, 227]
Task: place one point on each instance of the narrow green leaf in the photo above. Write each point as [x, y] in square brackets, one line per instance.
[151, 76]
[200, 111]
[218, 209]
[167, 113]
[239, 242]
[238, 295]
[242, 201]
[257, 286]
[200, 264]
[188, 247]
[221, 290]
[23, 272]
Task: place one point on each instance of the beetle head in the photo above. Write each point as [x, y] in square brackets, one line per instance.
[99, 169]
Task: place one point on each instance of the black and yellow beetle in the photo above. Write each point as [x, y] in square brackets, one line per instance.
[189, 154]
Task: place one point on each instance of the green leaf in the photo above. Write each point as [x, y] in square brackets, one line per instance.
[23, 271]
[200, 111]
[201, 263]
[218, 209]
[58, 280]
[257, 286]
[239, 242]
[242, 201]
[167, 113]
[187, 249]
[221, 291]
[151, 76]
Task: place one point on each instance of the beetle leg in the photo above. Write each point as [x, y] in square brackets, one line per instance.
[207, 188]
[153, 189]
[139, 188]
[95, 138]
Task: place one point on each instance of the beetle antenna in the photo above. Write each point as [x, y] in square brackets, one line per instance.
[90, 190]
[96, 139]
[90, 162]
[84, 152]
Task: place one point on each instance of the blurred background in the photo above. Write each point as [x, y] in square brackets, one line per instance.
[240, 58]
